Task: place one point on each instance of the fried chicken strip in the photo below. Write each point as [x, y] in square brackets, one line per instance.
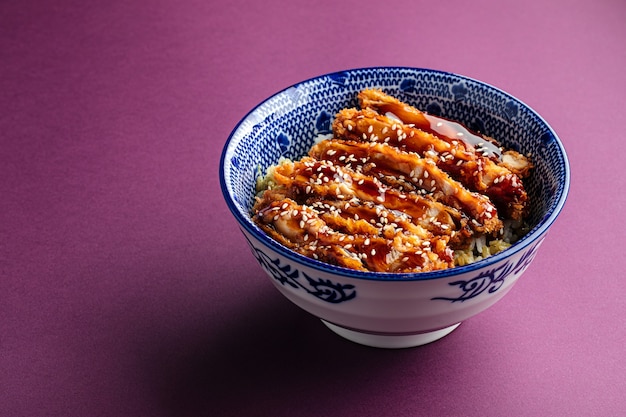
[326, 180]
[447, 130]
[475, 171]
[303, 229]
[380, 158]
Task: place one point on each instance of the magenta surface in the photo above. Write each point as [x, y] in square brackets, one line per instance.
[126, 288]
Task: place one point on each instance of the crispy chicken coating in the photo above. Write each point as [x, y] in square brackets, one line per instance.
[386, 161]
[460, 159]
[395, 190]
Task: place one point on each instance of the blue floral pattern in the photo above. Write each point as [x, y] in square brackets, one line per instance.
[339, 78]
[408, 86]
[491, 280]
[324, 289]
[459, 91]
[283, 142]
[434, 109]
[323, 123]
[511, 110]
[287, 125]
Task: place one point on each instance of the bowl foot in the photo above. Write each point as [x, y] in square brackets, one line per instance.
[390, 341]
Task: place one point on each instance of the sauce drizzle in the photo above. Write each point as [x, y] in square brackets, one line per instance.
[449, 131]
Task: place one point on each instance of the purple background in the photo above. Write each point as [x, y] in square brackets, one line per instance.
[127, 289]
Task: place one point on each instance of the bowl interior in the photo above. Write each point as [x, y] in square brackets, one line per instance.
[287, 124]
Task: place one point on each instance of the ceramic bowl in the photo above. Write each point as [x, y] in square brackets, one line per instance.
[386, 309]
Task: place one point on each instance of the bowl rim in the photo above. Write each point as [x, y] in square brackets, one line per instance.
[533, 235]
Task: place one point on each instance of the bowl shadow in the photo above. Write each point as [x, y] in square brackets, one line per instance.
[268, 358]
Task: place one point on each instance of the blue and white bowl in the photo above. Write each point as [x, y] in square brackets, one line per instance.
[388, 309]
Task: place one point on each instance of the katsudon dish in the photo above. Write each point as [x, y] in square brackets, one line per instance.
[396, 189]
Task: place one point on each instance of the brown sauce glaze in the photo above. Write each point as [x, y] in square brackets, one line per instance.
[389, 195]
